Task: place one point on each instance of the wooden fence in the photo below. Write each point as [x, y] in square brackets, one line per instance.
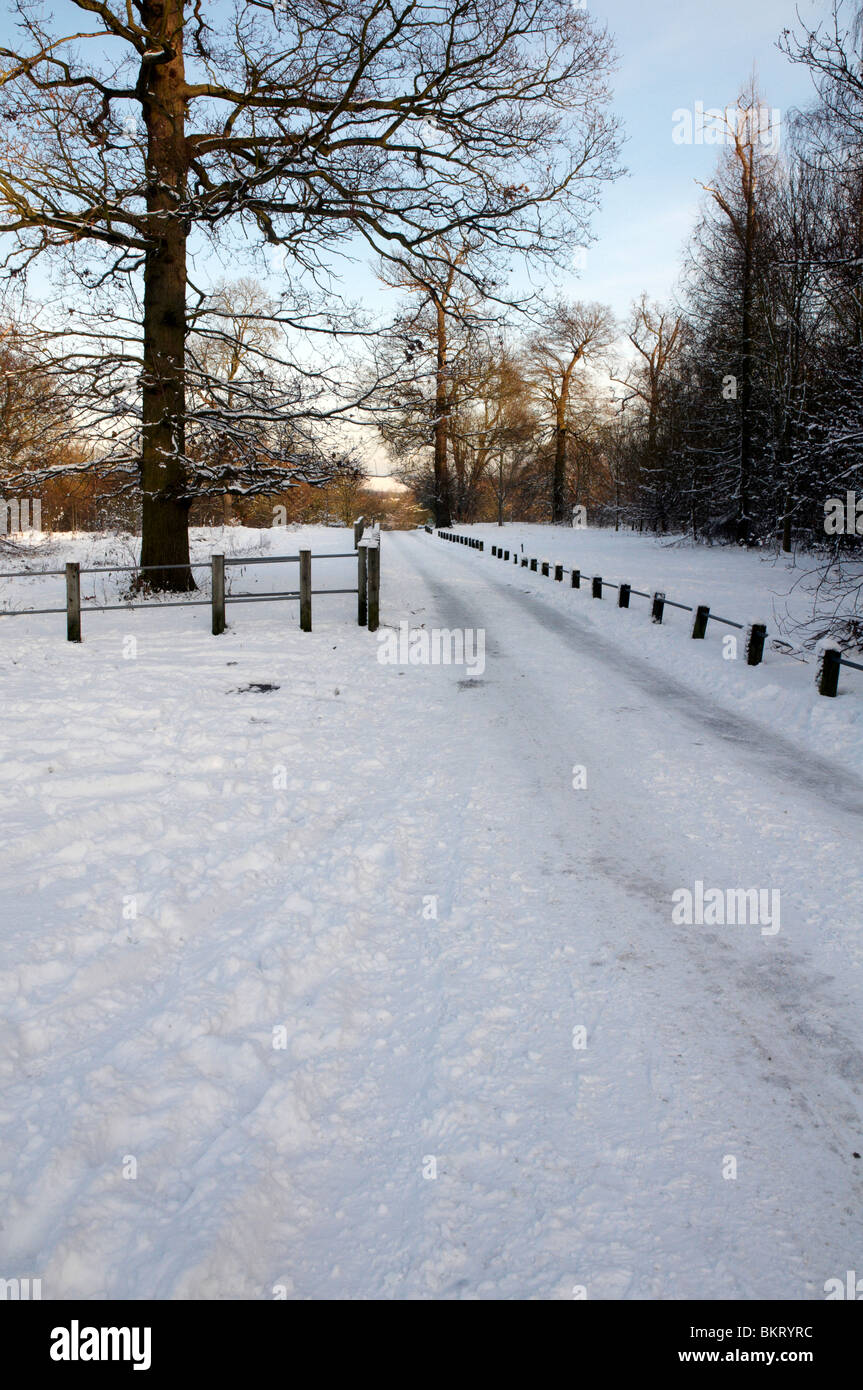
[366, 553]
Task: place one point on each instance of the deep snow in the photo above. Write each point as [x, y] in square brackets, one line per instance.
[194, 874]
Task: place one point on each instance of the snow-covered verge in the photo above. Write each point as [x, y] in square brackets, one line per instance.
[740, 585]
[184, 853]
[319, 978]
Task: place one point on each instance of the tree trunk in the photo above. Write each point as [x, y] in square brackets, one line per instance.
[166, 504]
[786, 456]
[786, 526]
[744, 524]
[558, 490]
[743, 521]
[442, 498]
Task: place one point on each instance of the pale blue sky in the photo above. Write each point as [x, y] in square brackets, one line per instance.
[671, 56]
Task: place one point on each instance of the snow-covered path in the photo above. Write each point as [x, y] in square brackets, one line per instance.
[411, 1037]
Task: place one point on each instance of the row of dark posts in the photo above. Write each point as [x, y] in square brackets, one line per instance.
[470, 541]
[831, 661]
[756, 634]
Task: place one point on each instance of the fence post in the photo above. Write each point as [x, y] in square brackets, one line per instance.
[506, 555]
[306, 590]
[558, 573]
[374, 564]
[623, 595]
[73, 603]
[217, 593]
[658, 608]
[524, 562]
[533, 565]
[545, 568]
[597, 586]
[359, 527]
[362, 586]
[755, 644]
[699, 626]
[494, 551]
[828, 671]
[576, 579]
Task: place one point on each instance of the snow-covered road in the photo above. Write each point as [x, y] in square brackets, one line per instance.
[428, 1123]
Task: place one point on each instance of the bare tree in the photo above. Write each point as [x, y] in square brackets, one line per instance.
[229, 352]
[311, 127]
[513, 428]
[571, 333]
[444, 299]
[35, 424]
[656, 334]
[739, 191]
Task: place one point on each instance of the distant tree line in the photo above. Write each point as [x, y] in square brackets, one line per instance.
[736, 412]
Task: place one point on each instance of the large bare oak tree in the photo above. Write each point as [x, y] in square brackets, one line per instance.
[141, 129]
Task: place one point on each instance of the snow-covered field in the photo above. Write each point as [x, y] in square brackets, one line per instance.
[292, 981]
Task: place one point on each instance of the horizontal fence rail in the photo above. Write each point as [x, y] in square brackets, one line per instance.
[830, 662]
[367, 587]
